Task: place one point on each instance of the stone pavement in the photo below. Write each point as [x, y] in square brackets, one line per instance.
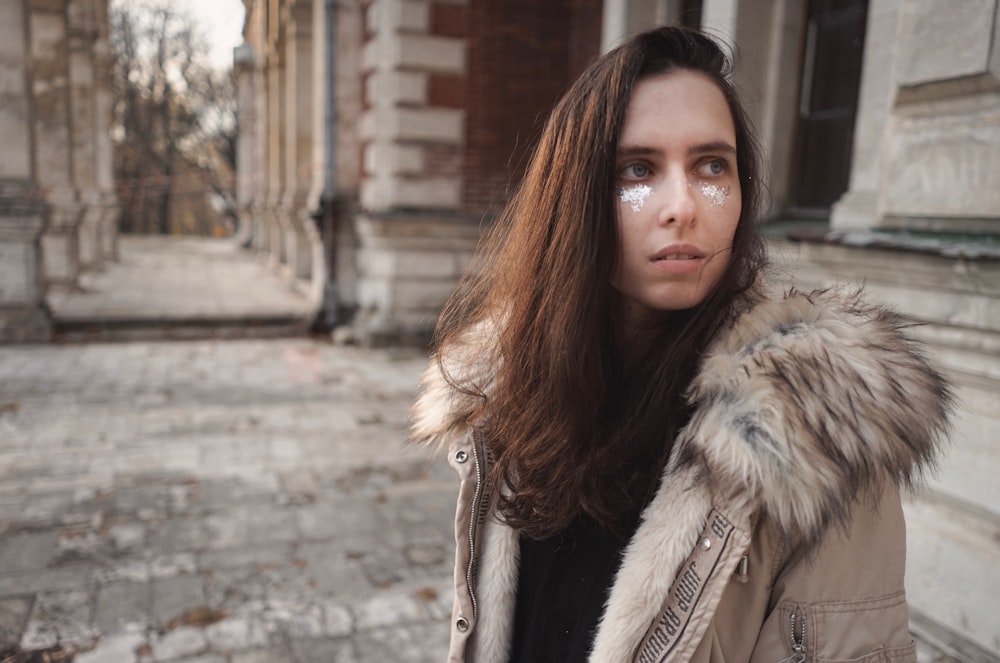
[182, 285]
[211, 501]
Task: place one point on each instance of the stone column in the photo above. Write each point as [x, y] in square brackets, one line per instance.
[411, 248]
[322, 152]
[719, 18]
[261, 222]
[50, 82]
[247, 166]
[103, 150]
[613, 25]
[275, 73]
[300, 231]
[23, 313]
[255, 34]
[319, 112]
[402, 131]
[860, 207]
[82, 35]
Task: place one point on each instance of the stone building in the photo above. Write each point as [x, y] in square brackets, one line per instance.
[58, 211]
[403, 124]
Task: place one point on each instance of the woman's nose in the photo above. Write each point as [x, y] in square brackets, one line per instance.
[676, 202]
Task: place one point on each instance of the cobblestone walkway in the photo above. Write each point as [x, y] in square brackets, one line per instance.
[201, 502]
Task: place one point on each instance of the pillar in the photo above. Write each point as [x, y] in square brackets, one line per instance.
[247, 153]
[300, 234]
[103, 150]
[82, 35]
[256, 34]
[23, 313]
[411, 233]
[51, 96]
[861, 206]
[275, 72]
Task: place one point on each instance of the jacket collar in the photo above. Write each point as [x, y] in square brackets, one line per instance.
[805, 401]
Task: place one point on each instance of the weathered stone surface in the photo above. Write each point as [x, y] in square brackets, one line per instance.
[180, 642]
[939, 44]
[943, 545]
[266, 656]
[60, 618]
[121, 648]
[13, 617]
[28, 551]
[123, 607]
[227, 560]
[946, 165]
[236, 633]
[171, 596]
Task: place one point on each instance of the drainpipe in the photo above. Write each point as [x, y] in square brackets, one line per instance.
[328, 209]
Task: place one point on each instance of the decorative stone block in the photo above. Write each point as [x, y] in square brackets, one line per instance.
[945, 165]
[396, 15]
[392, 158]
[431, 53]
[444, 125]
[391, 88]
[408, 266]
[383, 193]
[938, 44]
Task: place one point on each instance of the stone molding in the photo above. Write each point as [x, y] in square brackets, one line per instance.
[398, 127]
[408, 264]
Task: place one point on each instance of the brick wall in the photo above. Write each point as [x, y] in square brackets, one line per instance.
[522, 54]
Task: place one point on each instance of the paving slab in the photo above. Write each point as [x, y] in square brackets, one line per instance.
[219, 501]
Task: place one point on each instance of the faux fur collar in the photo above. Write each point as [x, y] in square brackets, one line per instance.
[807, 400]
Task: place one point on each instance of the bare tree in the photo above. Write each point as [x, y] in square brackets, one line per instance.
[174, 115]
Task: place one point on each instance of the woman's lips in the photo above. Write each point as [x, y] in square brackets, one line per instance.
[678, 259]
[677, 264]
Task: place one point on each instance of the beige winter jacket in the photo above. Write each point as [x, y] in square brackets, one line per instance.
[777, 533]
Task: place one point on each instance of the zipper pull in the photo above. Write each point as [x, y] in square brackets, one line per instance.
[798, 637]
[742, 572]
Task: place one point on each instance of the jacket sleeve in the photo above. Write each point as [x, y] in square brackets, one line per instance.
[843, 600]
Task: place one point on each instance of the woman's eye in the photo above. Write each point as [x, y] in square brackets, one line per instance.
[713, 168]
[635, 171]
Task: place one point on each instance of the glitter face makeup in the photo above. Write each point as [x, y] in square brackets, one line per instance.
[716, 195]
[635, 196]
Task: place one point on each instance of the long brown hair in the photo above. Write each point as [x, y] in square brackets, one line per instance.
[578, 426]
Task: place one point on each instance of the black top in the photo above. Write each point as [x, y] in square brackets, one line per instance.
[563, 583]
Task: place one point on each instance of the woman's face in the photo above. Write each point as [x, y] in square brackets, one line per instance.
[678, 193]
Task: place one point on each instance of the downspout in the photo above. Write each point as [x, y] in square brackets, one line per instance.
[329, 204]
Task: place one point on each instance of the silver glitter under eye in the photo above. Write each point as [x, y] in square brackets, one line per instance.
[717, 195]
[635, 196]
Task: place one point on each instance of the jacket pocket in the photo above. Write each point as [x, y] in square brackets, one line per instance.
[868, 631]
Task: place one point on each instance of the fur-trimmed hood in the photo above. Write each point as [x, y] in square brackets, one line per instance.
[804, 402]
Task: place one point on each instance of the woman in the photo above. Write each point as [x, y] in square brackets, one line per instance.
[660, 460]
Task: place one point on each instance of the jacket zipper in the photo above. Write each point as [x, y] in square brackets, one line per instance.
[473, 519]
[797, 633]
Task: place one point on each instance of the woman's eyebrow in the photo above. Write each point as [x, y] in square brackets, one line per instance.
[717, 146]
[636, 151]
[711, 147]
